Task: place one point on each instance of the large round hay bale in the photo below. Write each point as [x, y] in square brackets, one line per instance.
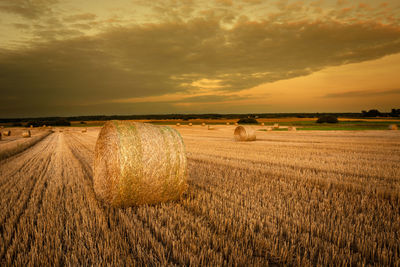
[31, 126]
[227, 123]
[26, 134]
[139, 163]
[203, 124]
[276, 126]
[292, 128]
[190, 124]
[262, 124]
[393, 127]
[236, 124]
[178, 124]
[243, 133]
[7, 133]
[84, 130]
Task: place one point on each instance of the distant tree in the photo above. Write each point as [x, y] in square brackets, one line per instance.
[395, 112]
[247, 121]
[327, 119]
[371, 113]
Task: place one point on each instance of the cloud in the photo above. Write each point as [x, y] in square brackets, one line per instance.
[178, 57]
[80, 17]
[358, 94]
[27, 8]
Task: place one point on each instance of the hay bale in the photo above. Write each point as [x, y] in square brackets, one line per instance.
[262, 124]
[269, 129]
[190, 124]
[292, 128]
[178, 124]
[236, 124]
[242, 133]
[139, 163]
[227, 123]
[393, 127]
[7, 133]
[210, 127]
[203, 124]
[31, 126]
[26, 134]
[276, 126]
[84, 130]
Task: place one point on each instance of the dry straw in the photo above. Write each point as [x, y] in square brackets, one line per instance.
[243, 133]
[210, 127]
[7, 133]
[292, 128]
[26, 134]
[393, 127]
[139, 163]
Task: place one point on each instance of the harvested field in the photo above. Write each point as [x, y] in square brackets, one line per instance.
[309, 198]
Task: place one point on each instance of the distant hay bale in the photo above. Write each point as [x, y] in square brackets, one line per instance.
[203, 124]
[292, 128]
[210, 127]
[190, 124]
[227, 123]
[31, 126]
[269, 129]
[276, 126]
[242, 133]
[236, 124]
[7, 133]
[26, 134]
[393, 127]
[84, 130]
[262, 124]
[178, 124]
[139, 163]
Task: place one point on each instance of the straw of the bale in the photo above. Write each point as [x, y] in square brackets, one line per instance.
[7, 133]
[26, 134]
[243, 133]
[292, 128]
[393, 127]
[210, 127]
[190, 124]
[139, 163]
[276, 126]
[203, 124]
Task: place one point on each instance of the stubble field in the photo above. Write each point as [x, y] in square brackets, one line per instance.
[289, 198]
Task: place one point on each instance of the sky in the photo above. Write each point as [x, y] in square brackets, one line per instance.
[101, 57]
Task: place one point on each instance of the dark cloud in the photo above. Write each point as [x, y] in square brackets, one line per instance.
[210, 98]
[170, 57]
[27, 8]
[358, 94]
[80, 17]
